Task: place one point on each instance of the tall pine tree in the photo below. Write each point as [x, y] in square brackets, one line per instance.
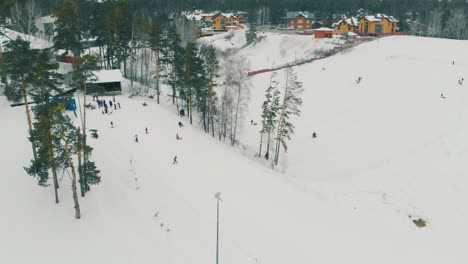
[289, 107]
[18, 67]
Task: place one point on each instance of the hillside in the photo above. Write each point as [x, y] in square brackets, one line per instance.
[389, 150]
[273, 49]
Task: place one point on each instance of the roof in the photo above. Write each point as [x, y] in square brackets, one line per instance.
[194, 17]
[45, 19]
[351, 34]
[380, 17]
[227, 15]
[294, 14]
[323, 29]
[36, 43]
[350, 21]
[106, 76]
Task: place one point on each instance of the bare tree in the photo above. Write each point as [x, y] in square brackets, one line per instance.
[434, 25]
[236, 70]
[456, 24]
[24, 14]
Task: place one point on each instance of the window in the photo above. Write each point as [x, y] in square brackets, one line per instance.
[300, 21]
[349, 27]
[379, 28]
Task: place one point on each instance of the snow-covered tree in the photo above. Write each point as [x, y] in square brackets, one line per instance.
[236, 70]
[269, 114]
[288, 108]
[251, 34]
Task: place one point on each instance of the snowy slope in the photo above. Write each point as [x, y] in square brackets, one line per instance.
[387, 148]
[273, 50]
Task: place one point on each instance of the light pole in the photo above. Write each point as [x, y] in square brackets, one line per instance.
[218, 198]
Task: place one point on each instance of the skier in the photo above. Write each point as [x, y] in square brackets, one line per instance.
[115, 107]
[119, 104]
[110, 103]
[442, 96]
[251, 122]
[112, 124]
[146, 130]
[314, 135]
[145, 104]
[177, 136]
[180, 124]
[175, 160]
[136, 138]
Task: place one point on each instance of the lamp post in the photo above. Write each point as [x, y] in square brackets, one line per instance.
[218, 198]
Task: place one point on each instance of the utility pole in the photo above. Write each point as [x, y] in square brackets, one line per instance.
[218, 198]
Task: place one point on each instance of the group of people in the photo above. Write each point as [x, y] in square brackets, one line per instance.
[106, 104]
[460, 82]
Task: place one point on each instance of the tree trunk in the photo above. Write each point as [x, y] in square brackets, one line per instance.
[237, 113]
[75, 195]
[156, 57]
[85, 153]
[268, 145]
[80, 166]
[28, 116]
[190, 103]
[211, 104]
[54, 170]
[261, 142]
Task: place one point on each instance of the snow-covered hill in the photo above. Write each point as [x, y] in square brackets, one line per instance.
[273, 49]
[389, 150]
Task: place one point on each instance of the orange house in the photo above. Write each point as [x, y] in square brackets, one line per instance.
[221, 21]
[323, 32]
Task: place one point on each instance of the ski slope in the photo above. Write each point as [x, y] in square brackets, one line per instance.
[389, 150]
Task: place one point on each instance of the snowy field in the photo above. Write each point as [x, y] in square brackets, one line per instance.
[389, 150]
[273, 50]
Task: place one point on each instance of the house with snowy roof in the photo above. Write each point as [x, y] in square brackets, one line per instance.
[223, 20]
[378, 24]
[300, 20]
[105, 82]
[346, 25]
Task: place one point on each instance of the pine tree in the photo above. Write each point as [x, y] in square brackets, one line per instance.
[67, 29]
[251, 34]
[190, 75]
[18, 65]
[83, 72]
[212, 67]
[289, 107]
[270, 110]
[45, 82]
[156, 46]
[172, 54]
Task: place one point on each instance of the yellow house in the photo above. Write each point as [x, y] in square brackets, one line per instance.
[346, 25]
[221, 21]
[377, 25]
